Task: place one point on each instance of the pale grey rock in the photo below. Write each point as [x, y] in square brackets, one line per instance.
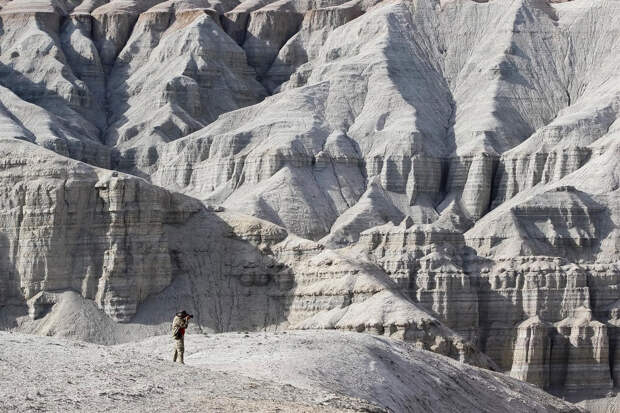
[472, 177]
[532, 352]
[339, 290]
[374, 207]
[26, 121]
[70, 226]
[121, 242]
[461, 156]
[588, 353]
[113, 23]
[293, 127]
[83, 57]
[177, 72]
[306, 44]
[56, 108]
[29, 41]
[613, 328]
[292, 366]
[266, 33]
[573, 353]
[424, 261]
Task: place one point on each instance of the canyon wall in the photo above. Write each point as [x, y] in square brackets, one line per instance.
[444, 172]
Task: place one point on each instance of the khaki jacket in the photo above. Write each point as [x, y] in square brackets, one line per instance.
[178, 327]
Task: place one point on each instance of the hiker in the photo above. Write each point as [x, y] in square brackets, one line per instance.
[179, 324]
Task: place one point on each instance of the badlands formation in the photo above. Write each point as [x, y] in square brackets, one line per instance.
[443, 172]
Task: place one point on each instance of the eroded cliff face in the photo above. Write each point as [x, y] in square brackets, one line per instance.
[444, 172]
[69, 226]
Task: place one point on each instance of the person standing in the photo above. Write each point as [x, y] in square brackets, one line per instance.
[179, 325]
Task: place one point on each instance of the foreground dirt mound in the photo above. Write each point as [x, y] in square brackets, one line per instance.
[300, 371]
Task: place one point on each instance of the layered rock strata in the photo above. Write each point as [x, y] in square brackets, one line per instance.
[533, 315]
[121, 242]
[462, 156]
[70, 226]
[572, 354]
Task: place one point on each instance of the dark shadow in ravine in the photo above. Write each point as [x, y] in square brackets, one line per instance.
[12, 304]
[498, 318]
[228, 283]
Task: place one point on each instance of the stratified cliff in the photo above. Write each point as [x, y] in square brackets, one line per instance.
[443, 172]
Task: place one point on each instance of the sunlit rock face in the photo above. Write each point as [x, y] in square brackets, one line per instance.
[443, 172]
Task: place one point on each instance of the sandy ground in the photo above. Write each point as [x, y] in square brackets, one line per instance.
[258, 372]
[53, 375]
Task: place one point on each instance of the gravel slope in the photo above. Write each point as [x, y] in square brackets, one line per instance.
[53, 375]
[260, 372]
